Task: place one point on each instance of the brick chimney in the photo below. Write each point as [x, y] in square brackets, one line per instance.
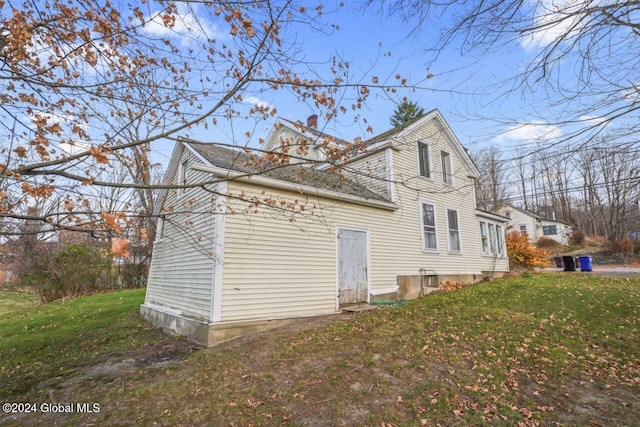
[312, 121]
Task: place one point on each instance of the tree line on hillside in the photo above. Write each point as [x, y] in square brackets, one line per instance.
[595, 188]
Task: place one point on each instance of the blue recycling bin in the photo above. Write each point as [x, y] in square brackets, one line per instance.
[586, 263]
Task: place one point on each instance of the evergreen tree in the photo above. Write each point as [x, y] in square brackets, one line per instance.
[406, 112]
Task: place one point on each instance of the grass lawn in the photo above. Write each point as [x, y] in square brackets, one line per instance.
[551, 349]
[44, 341]
[14, 301]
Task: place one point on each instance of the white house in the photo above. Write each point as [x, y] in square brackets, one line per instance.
[536, 226]
[241, 243]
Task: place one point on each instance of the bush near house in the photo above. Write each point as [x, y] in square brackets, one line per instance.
[75, 270]
[523, 254]
[549, 244]
[577, 238]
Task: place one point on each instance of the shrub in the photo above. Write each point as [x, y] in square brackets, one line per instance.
[74, 270]
[549, 244]
[523, 254]
[577, 238]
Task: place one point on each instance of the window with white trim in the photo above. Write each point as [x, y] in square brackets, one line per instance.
[499, 240]
[182, 176]
[424, 157]
[453, 230]
[429, 239]
[160, 229]
[492, 238]
[447, 168]
[484, 238]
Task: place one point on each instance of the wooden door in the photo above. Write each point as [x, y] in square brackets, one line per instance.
[353, 275]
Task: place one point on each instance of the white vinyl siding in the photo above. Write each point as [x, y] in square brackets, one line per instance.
[453, 231]
[180, 275]
[279, 264]
[370, 171]
[274, 267]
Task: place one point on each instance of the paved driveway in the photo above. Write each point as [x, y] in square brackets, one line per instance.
[606, 271]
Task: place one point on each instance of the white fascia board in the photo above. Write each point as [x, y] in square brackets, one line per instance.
[491, 216]
[283, 185]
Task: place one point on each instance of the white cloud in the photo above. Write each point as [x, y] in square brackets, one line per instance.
[554, 20]
[631, 94]
[66, 121]
[594, 120]
[529, 133]
[257, 101]
[187, 23]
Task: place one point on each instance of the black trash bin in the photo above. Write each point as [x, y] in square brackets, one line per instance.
[569, 264]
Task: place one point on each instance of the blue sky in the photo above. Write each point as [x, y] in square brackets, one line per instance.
[465, 89]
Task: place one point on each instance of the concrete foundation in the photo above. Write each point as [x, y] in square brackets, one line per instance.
[211, 334]
[207, 334]
[409, 286]
[191, 328]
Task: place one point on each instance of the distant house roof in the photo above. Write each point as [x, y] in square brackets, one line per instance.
[241, 161]
[534, 215]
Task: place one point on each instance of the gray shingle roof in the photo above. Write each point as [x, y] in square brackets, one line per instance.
[241, 161]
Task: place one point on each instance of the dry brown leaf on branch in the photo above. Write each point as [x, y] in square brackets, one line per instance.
[21, 152]
[119, 246]
[112, 221]
[101, 154]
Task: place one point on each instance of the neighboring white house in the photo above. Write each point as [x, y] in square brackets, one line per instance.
[536, 226]
[255, 243]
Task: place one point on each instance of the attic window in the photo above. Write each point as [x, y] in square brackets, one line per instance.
[507, 214]
[160, 229]
[182, 176]
[447, 168]
[424, 156]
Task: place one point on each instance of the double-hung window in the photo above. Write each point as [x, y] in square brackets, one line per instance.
[424, 156]
[447, 168]
[453, 229]
[182, 176]
[499, 241]
[484, 238]
[160, 229]
[492, 239]
[429, 240]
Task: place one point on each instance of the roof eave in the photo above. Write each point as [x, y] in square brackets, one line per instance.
[283, 185]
